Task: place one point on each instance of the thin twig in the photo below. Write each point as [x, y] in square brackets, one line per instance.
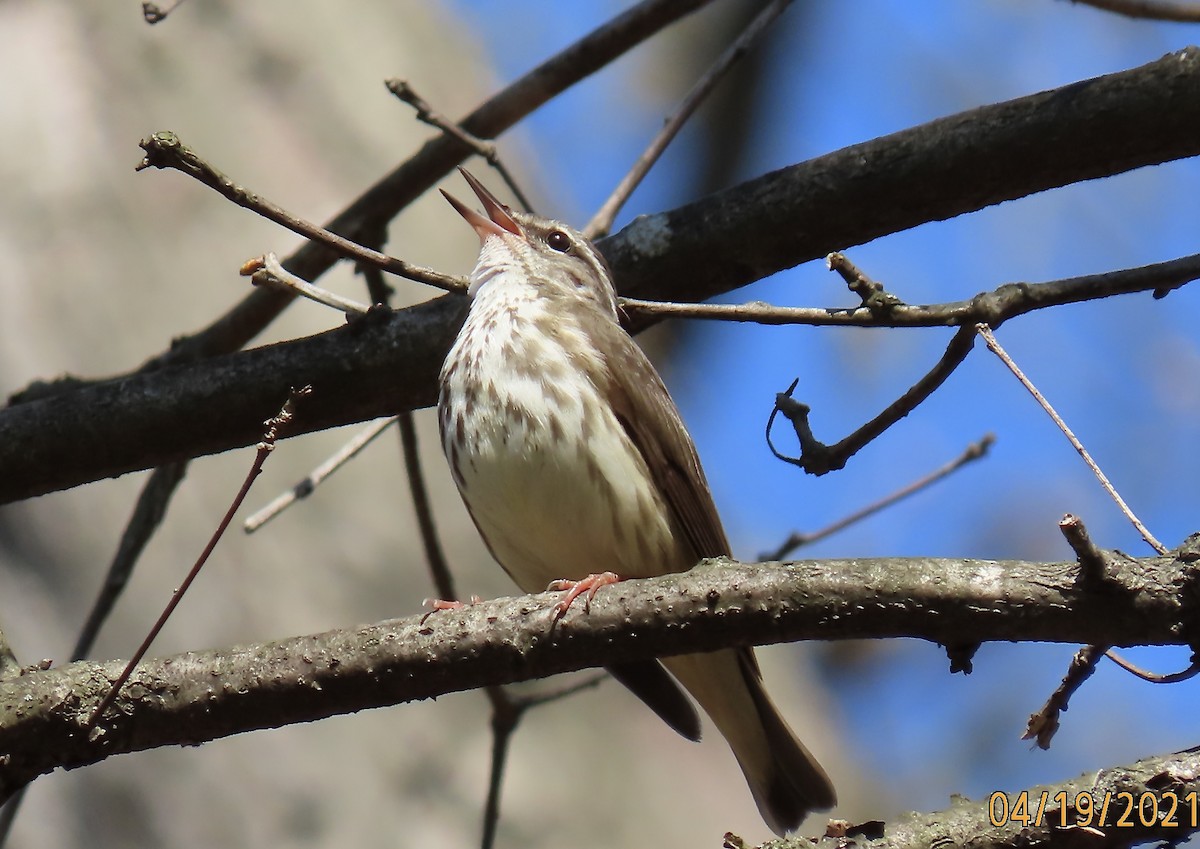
[507, 712]
[393, 192]
[1154, 677]
[435, 557]
[105, 448]
[267, 270]
[973, 452]
[1154, 9]
[816, 458]
[1006, 301]
[506, 715]
[403, 90]
[265, 447]
[165, 150]
[1091, 559]
[147, 516]
[148, 513]
[986, 332]
[310, 482]
[1043, 725]
[152, 13]
[602, 221]
[874, 297]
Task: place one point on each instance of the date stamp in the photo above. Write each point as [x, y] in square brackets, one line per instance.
[1122, 809]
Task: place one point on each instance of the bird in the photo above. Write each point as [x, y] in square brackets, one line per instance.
[571, 457]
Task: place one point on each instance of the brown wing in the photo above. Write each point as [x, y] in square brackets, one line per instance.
[650, 418]
[652, 421]
[788, 783]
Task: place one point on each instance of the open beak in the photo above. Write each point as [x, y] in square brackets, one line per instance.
[498, 222]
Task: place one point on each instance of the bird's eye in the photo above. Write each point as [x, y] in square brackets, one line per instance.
[558, 241]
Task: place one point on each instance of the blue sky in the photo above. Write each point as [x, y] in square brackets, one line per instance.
[1124, 373]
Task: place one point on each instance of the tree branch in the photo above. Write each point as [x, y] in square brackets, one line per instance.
[1005, 302]
[200, 696]
[368, 214]
[954, 165]
[939, 170]
[1066, 814]
[1153, 9]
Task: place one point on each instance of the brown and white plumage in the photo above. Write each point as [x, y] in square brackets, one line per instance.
[573, 460]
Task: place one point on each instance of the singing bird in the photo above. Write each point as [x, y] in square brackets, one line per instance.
[571, 457]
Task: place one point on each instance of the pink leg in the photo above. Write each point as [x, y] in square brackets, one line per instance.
[575, 589]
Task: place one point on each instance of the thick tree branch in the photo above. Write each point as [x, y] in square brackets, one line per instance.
[201, 696]
[1066, 815]
[369, 214]
[954, 165]
[958, 164]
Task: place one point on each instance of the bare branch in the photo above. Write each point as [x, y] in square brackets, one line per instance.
[1043, 725]
[1090, 557]
[370, 212]
[148, 513]
[817, 458]
[507, 712]
[938, 170]
[173, 701]
[165, 150]
[435, 557]
[273, 426]
[874, 297]
[486, 149]
[602, 221]
[266, 270]
[506, 716]
[1067, 814]
[304, 488]
[1005, 302]
[995, 347]
[1155, 9]
[795, 540]
[1192, 670]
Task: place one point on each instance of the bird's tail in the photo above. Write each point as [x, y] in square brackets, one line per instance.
[785, 779]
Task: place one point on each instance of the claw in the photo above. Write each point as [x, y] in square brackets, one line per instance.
[575, 589]
[437, 604]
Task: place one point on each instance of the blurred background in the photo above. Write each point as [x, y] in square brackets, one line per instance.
[104, 266]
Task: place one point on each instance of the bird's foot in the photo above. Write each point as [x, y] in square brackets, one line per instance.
[574, 589]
